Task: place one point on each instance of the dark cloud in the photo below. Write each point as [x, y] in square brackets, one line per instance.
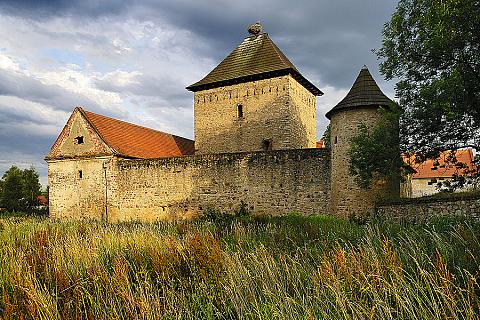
[328, 41]
[40, 9]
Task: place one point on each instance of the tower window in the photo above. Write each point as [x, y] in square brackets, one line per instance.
[80, 174]
[240, 111]
[335, 140]
[267, 145]
[79, 140]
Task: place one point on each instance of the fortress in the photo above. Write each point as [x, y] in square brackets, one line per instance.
[255, 129]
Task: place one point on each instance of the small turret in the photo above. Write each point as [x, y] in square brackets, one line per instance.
[360, 105]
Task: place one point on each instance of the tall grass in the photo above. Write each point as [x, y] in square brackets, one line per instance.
[271, 268]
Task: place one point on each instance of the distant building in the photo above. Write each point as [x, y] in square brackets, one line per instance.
[431, 172]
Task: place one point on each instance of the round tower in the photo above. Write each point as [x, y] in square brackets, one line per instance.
[360, 105]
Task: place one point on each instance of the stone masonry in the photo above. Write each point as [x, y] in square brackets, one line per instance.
[279, 110]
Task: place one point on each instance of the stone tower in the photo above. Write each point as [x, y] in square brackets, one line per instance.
[360, 105]
[254, 100]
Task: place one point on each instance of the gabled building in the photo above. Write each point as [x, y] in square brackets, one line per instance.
[428, 174]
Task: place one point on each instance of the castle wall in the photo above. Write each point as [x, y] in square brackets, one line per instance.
[277, 109]
[347, 197]
[75, 196]
[275, 183]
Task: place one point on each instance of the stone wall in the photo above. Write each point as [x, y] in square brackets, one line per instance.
[78, 195]
[423, 209]
[347, 197]
[276, 182]
[277, 109]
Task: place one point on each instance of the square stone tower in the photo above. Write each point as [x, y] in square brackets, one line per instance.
[254, 100]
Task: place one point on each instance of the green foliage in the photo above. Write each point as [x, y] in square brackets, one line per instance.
[374, 152]
[327, 138]
[292, 267]
[433, 48]
[20, 189]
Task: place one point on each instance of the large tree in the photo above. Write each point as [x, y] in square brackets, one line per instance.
[19, 189]
[433, 48]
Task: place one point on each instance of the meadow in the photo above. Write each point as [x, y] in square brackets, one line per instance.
[246, 268]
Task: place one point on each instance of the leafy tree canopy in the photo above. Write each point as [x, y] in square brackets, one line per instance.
[433, 48]
[19, 189]
[374, 152]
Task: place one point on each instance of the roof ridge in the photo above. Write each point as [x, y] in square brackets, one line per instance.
[135, 125]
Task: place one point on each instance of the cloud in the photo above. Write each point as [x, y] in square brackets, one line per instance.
[133, 59]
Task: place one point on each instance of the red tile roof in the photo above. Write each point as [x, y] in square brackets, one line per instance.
[42, 200]
[135, 141]
[427, 169]
[321, 144]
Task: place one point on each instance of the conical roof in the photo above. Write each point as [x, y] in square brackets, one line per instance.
[257, 57]
[364, 93]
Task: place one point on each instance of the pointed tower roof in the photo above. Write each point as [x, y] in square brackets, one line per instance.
[257, 57]
[364, 93]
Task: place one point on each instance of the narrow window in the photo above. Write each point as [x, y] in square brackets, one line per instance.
[267, 145]
[80, 174]
[79, 140]
[240, 111]
[335, 140]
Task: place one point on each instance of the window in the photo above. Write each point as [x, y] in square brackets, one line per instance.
[240, 111]
[267, 145]
[79, 140]
[80, 174]
[335, 140]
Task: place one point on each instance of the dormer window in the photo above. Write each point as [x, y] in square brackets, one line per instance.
[79, 140]
[240, 111]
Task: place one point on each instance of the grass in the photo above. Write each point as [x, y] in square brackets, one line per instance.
[267, 268]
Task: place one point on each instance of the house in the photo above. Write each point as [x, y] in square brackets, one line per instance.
[430, 173]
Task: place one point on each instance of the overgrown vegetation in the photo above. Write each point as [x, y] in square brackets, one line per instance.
[263, 268]
[374, 153]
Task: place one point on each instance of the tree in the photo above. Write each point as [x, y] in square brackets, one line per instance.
[19, 189]
[374, 152]
[31, 188]
[12, 185]
[433, 48]
[326, 138]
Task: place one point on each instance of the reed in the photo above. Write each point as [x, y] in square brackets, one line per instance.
[267, 268]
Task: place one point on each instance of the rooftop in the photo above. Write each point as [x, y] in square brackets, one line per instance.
[364, 92]
[131, 140]
[257, 57]
[429, 169]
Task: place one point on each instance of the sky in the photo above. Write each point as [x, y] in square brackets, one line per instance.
[132, 60]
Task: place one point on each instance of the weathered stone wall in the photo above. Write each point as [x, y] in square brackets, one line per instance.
[276, 182]
[277, 109]
[347, 197]
[66, 146]
[75, 196]
[424, 209]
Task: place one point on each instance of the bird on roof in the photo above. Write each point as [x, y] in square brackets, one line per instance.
[255, 29]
